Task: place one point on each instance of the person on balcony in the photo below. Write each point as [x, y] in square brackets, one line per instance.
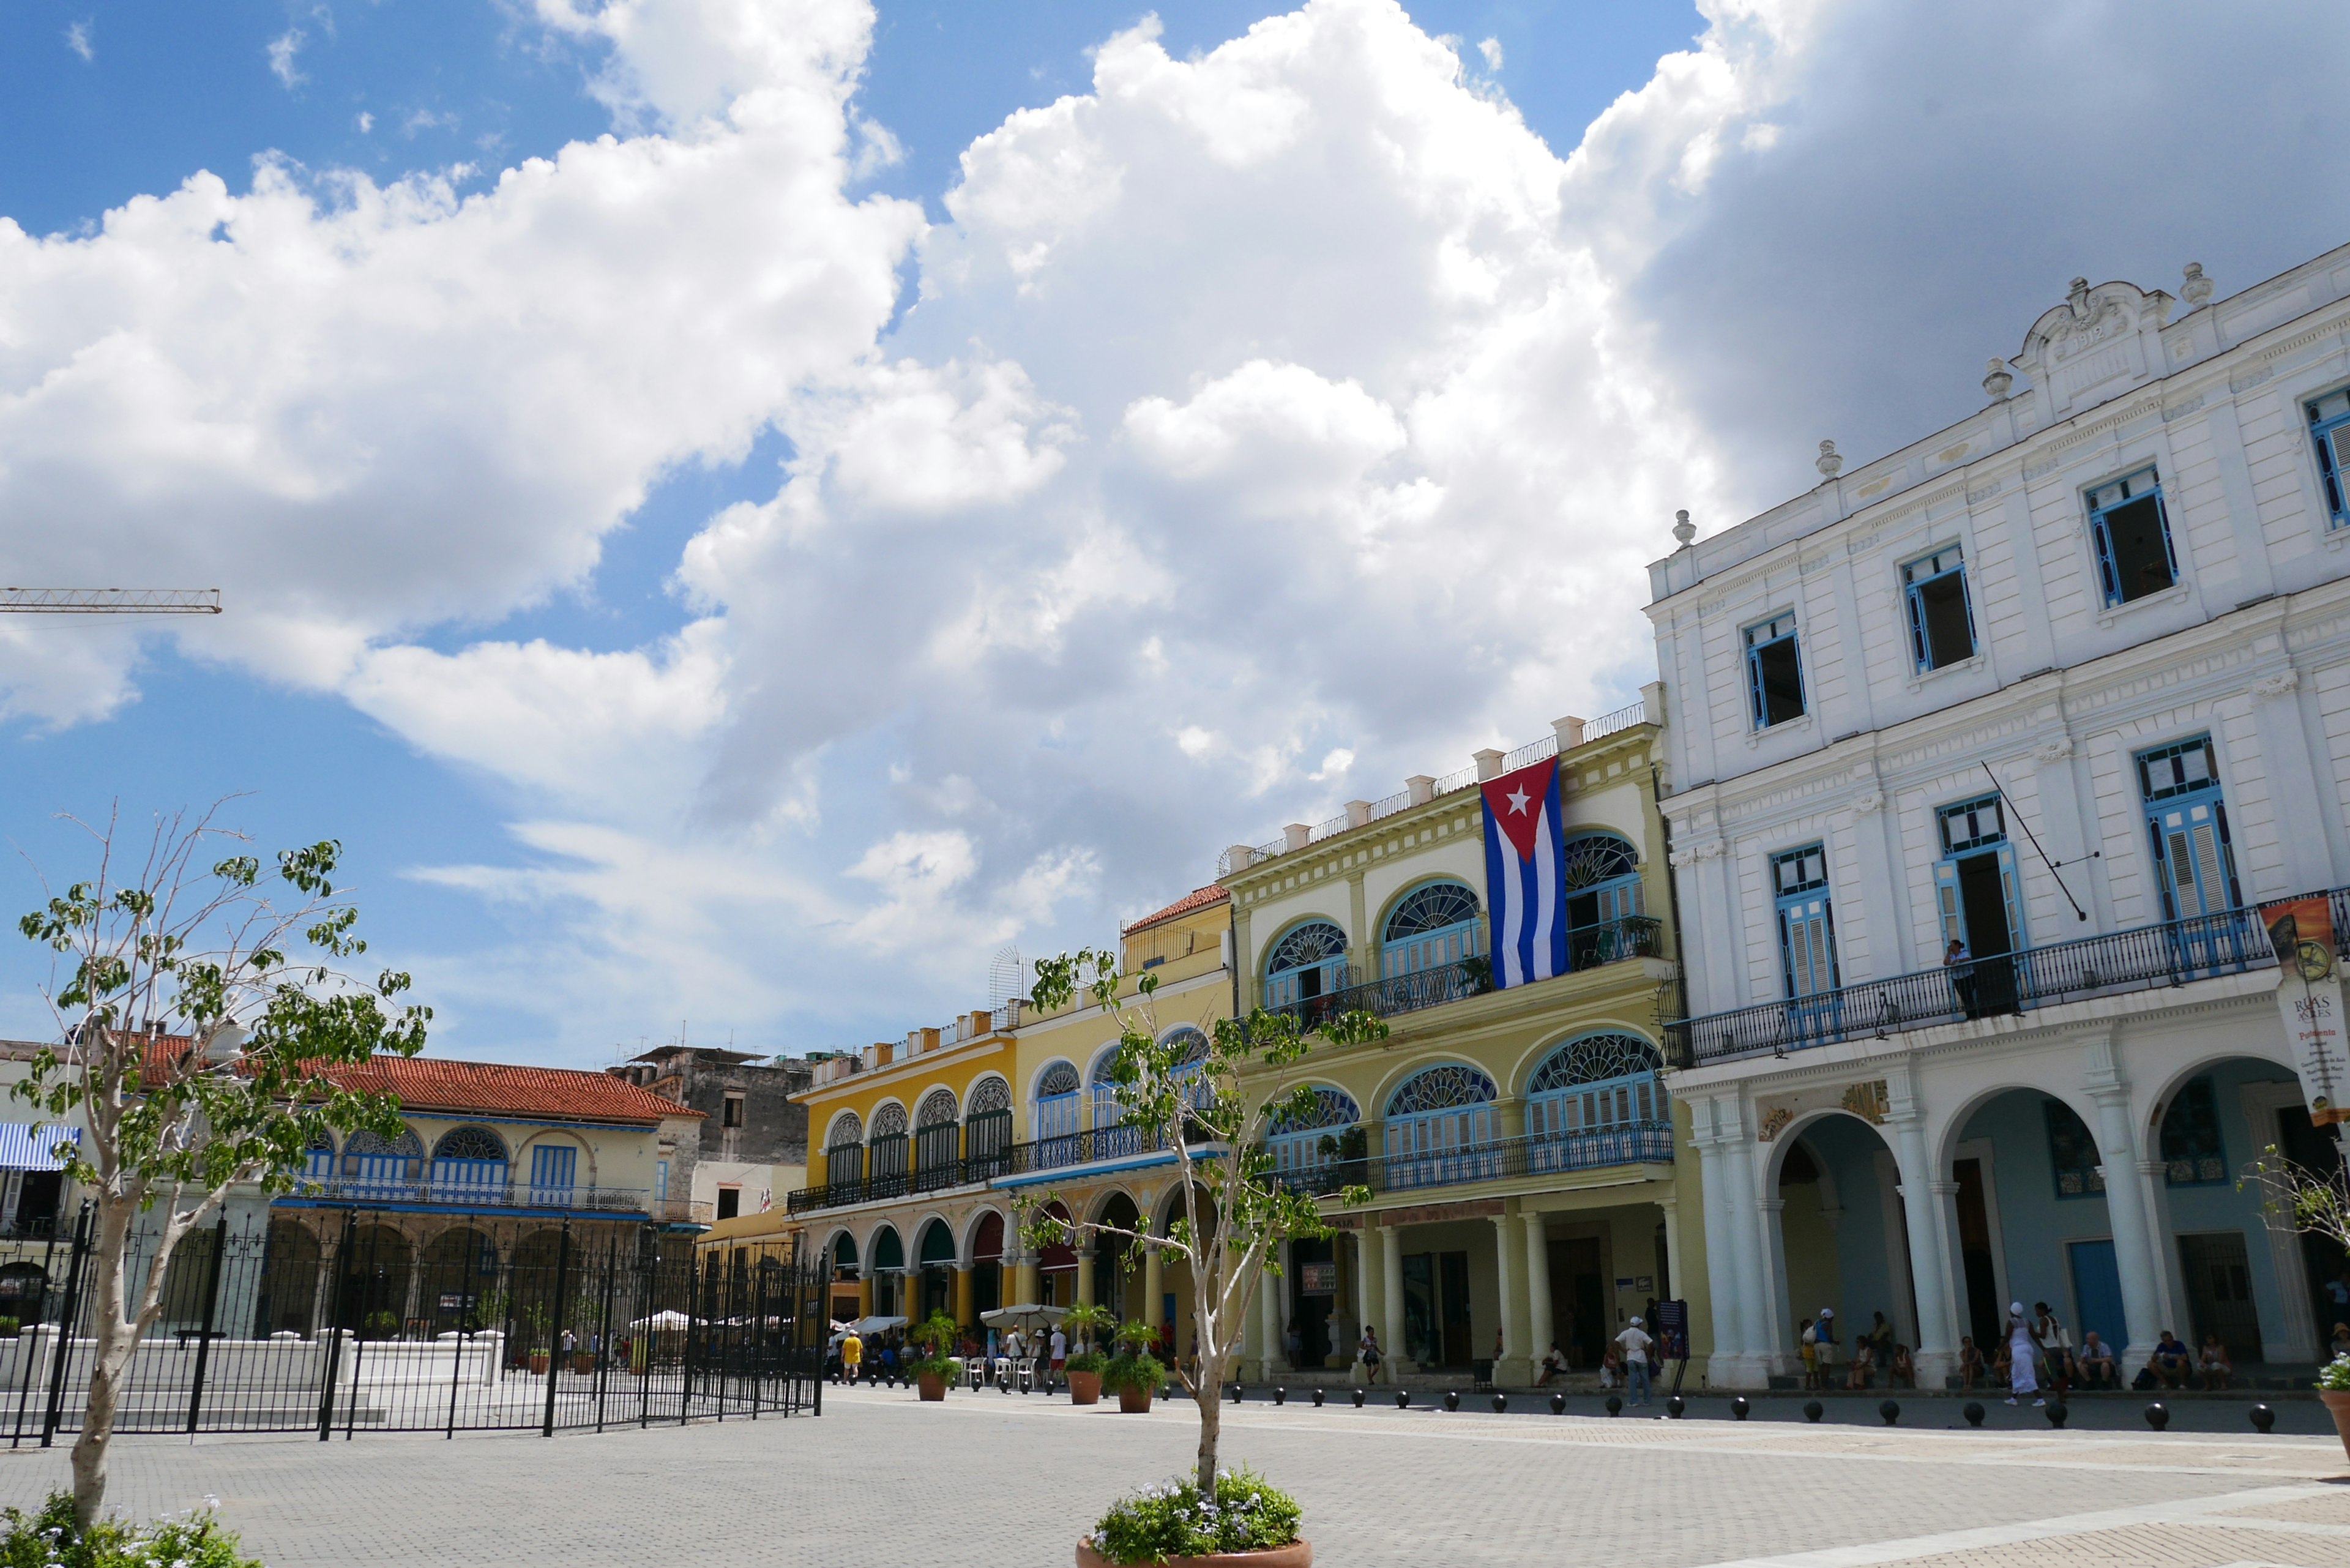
[1960, 963]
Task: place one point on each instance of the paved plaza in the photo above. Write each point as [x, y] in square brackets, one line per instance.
[998, 1482]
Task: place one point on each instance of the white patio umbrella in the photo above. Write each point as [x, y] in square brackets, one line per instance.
[669, 1322]
[1026, 1315]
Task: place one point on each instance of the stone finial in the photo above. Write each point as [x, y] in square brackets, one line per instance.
[1296, 835]
[1358, 814]
[1829, 463]
[1569, 731]
[2196, 288]
[1996, 379]
[1683, 529]
[1240, 858]
[1422, 787]
[1489, 762]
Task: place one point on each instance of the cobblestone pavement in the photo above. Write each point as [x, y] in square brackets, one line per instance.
[988, 1479]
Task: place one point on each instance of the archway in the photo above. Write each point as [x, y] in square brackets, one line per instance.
[460, 1273]
[889, 1272]
[1115, 1287]
[1841, 1242]
[287, 1301]
[934, 1255]
[987, 1264]
[377, 1276]
[1056, 1265]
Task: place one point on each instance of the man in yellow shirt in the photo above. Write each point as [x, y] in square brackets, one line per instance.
[852, 1352]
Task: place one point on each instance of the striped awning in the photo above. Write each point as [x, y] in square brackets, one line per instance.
[27, 1148]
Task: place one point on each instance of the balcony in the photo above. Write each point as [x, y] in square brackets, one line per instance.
[1067, 1152]
[2177, 952]
[1587, 946]
[1545, 1154]
[632, 1202]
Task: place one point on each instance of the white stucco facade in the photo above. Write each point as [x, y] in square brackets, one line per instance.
[1966, 690]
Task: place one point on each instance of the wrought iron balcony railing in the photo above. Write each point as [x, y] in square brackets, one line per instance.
[1066, 1151]
[473, 1194]
[1587, 946]
[2175, 953]
[1542, 1154]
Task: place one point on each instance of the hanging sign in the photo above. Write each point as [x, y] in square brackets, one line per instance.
[1317, 1279]
[2309, 998]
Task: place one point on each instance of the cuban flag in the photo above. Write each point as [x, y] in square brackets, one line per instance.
[1525, 874]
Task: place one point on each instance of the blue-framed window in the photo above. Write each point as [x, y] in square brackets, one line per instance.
[2186, 820]
[319, 1160]
[1440, 1127]
[1977, 859]
[1594, 1084]
[1056, 1114]
[1774, 674]
[2132, 532]
[1302, 1149]
[660, 1181]
[469, 1161]
[2193, 1152]
[554, 1171]
[1941, 622]
[2329, 426]
[1799, 880]
[2073, 1157]
[1309, 961]
[1437, 923]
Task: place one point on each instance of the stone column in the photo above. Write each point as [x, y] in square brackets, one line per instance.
[1539, 1315]
[1087, 1263]
[2125, 1208]
[1366, 1284]
[1726, 1294]
[1250, 1367]
[1746, 1228]
[1937, 1351]
[1391, 1306]
[1509, 1367]
[1675, 1284]
[964, 1310]
[1026, 1277]
[1276, 1323]
[865, 1293]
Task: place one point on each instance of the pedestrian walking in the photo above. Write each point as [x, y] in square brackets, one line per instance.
[2021, 1379]
[1636, 1342]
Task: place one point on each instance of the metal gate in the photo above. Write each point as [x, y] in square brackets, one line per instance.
[346, 1320]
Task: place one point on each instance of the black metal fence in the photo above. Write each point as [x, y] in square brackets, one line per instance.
[340, 1320]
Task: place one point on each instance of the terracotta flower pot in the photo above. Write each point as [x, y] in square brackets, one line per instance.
[1134, 1401]
[538, 1364]
[583, 1362]
[1296, 1554]
[1085, 1387]
[933, 1387]
[2338, 1402]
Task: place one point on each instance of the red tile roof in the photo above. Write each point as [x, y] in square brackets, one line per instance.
[1197, 899]
[494, 1088]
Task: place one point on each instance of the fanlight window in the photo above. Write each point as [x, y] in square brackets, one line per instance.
[938, 1106]
[887, 1142]
[1309, 962]
[991, 1095]
[1596, 1083]
[377, 1167]
[844, 1156]
[1440, 1128]
[1298, 1144]
[989, 1128]
[1056, 1114]
[318, 1159]
[889, 1121]
[1436, 925]
[1602, 889]
[469, 1160]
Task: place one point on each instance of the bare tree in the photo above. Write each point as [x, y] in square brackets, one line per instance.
[202, 1011]
[1236, 1209]
[2296, 1199]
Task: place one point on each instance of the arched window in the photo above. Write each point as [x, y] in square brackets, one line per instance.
[1603, 900]
[1436, 924]
[1440, 1127]
[1603, 1083]
[1308, 1150]
[938, 1140]
[470, 1163]
[844, 1152]
[384, 1169]
[1056, 1115]
[886, 1150]
[318, 1159]
[1309, 961]
[987, 1135]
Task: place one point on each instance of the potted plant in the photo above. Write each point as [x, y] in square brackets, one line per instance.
[1133, 1374]
[1236, 1213]
[2334, 1388]
[1089, 1323]
[534, 1334]
[936, 1369]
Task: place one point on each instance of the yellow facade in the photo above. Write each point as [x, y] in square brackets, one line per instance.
[998, 1116]
[1519, 1199]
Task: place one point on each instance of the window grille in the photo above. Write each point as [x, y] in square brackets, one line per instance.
[2072, 1152]
[1595, 1083]
[2194, 1154]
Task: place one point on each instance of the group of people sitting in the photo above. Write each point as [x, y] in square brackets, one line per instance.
[2038, 1354]
[1875, 1354]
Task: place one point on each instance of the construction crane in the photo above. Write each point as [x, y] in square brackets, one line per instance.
[110, 601]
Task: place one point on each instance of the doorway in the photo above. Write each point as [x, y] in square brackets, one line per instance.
[1579, 1313]
[2218, 1280]
[2097, 1293]
[1311, 1265]
[1984, 1318]
[1436, 1309]
[1982, 902]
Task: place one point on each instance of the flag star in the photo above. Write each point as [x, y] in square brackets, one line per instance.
[1517, 798]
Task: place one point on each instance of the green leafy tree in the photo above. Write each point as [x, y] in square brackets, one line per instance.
[203, 1007]
[1236, 1211]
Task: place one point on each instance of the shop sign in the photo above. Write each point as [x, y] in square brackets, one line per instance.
[2309, 998]
[1317, 1279]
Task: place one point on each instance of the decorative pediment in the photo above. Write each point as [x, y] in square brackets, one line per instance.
[2092, 345]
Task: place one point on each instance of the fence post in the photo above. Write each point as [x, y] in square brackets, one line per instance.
[65, 1327]
[647, 1263]
[692, 1311]
[555, 1327]
[211, 1305]
[604, 1329]
[335, 1327]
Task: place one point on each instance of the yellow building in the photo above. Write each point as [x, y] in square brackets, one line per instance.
[1519, 1141]
[924, 1155]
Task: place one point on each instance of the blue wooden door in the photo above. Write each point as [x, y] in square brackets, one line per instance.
[2097, 1294]
[552, 1170]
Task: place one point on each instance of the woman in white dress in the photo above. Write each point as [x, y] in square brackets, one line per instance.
[2021, 1354]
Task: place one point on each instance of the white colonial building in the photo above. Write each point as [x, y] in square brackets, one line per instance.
[2068, 684]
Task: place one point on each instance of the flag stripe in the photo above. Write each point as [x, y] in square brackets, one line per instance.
[1526, 896]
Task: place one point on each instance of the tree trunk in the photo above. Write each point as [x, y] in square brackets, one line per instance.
[1210, 1397]
[115, 1339]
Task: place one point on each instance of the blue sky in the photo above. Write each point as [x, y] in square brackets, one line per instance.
[607, 766]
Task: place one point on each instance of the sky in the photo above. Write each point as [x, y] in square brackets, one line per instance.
[734, 512]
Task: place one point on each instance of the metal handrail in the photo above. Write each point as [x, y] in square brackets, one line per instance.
[1532, 752]
[2175, 952]
[511, 1194]
[1538, 1154]
[1587, 946]
[1065, 1151]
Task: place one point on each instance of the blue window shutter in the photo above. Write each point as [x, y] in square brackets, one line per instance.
[2011, 888]
[1946, 902]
